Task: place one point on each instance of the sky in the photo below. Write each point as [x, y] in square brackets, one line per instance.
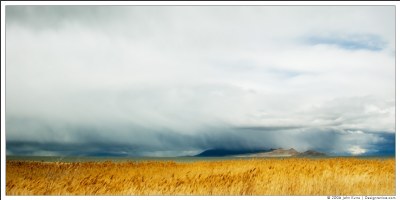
[178, 80]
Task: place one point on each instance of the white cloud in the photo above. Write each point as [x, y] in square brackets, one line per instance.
[356, 150]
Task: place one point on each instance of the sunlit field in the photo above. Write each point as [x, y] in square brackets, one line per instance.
[291, 176]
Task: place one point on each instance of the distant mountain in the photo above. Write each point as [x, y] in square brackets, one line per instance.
[310, 153]
[274, 153]
[280, 152]
[229, 152]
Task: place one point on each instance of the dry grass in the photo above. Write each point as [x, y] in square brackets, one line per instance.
[292, 176]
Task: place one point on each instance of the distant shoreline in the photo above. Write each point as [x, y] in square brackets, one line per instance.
[175, 159]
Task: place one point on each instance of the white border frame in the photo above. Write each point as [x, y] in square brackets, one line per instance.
[187, 3]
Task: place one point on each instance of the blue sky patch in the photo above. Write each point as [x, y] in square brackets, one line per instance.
[350, 42]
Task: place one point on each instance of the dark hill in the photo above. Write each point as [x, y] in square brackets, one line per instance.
[310, 153]
[229, 152]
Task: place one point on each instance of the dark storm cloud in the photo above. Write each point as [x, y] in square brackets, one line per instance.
[111, 140]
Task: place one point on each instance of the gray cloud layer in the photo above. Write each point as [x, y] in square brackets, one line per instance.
[158, 80]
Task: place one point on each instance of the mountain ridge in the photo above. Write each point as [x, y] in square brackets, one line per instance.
[228, 152]
[280, 152]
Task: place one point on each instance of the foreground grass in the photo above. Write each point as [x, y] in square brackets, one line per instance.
[292, 176]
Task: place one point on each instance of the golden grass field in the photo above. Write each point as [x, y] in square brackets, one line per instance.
[290, 176]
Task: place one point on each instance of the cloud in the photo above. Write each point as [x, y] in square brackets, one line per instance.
[153, 143]
[183, 79]
[354, 42]
[356, 150]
